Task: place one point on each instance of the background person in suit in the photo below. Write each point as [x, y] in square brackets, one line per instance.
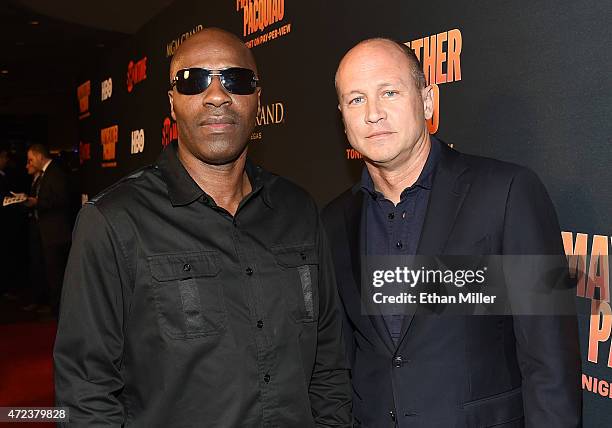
[37, 279]
[50, 225]
[418, 196]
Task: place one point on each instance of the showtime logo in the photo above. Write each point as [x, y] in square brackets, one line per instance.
[107, 89]
[169, 131]
[136, 73]
[138, 141]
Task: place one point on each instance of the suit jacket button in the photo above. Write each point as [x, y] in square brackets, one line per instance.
[392, 415]
[398, 361]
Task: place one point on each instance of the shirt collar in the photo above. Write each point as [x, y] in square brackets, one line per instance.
[424, 181]
[46, 165]
[183, 190]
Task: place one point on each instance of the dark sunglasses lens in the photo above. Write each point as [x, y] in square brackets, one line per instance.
[239, 81]
[192, 81]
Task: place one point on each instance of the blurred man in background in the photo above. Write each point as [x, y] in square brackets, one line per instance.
[50, 227]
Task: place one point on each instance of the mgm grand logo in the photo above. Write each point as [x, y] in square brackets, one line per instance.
[270, 114]
[175, 43]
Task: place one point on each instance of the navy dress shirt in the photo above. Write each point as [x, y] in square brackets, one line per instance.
[395, 229]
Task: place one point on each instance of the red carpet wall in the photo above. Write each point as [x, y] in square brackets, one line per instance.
[526, 82]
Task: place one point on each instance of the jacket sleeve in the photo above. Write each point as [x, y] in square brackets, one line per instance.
[547, 344]
[89, 343]
[333, 228]
[330, 393]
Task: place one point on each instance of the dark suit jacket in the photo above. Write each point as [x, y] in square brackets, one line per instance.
[461, 371]
[54, 208]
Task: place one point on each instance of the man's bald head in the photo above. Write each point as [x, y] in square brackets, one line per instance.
[210, 38]
[215, 124]
[384, 43]
[384, 102]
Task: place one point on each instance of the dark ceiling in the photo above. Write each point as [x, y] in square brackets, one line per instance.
[43, 42]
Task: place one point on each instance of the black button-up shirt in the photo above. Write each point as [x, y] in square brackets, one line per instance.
[396, 229]
[177, 314]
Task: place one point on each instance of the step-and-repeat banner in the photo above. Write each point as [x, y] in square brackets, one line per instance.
[527, 83]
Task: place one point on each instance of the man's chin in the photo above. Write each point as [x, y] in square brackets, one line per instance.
[222, 158]
[213, 151]
[378, 158]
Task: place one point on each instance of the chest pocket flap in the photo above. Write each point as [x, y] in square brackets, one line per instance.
[187, 293]
[294, 256]
[172, 267]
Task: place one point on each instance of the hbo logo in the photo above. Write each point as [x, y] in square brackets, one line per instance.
[107, 88]
[138, 141]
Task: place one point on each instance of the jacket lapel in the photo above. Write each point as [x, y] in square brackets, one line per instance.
[448, 192]
[355, 228]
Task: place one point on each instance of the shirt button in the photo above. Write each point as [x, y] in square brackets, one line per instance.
[186, 267]
[391, 216]
[260, 324]
[267, 378]
[249, 271]
[399, 244]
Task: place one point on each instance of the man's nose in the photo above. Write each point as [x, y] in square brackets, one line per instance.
[374, 111]
[215, 94]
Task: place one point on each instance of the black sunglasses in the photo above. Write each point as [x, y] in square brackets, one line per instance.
[235, 80]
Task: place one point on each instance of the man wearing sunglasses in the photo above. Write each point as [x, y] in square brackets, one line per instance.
[199, 291]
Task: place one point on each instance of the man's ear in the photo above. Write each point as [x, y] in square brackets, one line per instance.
[428, 103]
[171, 99]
